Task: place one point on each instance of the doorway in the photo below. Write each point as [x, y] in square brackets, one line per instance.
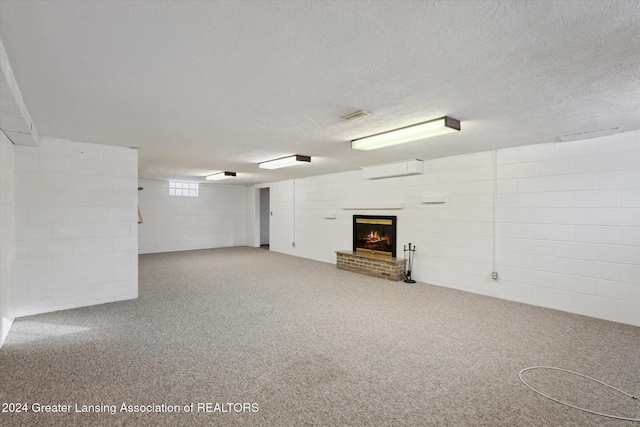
[265, 213]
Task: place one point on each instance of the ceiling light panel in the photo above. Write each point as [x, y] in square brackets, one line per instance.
[410, 133]
[284, 162]
[220, 176]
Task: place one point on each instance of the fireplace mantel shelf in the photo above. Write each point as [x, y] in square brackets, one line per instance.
[373, 205]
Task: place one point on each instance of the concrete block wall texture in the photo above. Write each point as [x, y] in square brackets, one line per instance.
[581, 252]
[214, 219]
[7, 234]
[77, 231]
[567, 222]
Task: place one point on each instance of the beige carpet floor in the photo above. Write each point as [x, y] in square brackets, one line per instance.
[309, 345]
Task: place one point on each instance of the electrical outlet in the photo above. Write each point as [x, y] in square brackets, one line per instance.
[494, 275]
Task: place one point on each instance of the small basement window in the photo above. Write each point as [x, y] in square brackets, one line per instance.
[177, 188]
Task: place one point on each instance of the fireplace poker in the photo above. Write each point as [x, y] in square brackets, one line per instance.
[409, 255]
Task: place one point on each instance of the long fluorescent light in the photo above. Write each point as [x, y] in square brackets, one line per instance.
[407, 134]
[284, 162]
[221, 175]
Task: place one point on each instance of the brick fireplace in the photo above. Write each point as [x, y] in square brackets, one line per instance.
[374, 248]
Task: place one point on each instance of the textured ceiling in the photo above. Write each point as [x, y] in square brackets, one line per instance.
[208, 86]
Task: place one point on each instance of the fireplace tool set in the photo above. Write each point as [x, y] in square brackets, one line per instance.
[409, 255]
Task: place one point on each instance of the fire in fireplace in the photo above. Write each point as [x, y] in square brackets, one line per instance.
[374, 234]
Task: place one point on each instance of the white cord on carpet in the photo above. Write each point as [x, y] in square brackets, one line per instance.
[577, 407]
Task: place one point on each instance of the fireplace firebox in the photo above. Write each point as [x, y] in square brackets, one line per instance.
[374, 234]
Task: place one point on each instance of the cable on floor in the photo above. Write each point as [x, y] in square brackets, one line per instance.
[573, 406]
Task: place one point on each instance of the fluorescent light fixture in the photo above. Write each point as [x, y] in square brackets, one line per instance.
[410, 133]
[284, 162]
[221, 175]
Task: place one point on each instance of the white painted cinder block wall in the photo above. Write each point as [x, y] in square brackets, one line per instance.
[7, 235]
[214, 219]
[567, 222]
[77, 231]
[569, 225]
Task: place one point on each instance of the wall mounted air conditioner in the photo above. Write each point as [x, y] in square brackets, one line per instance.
[390, 170]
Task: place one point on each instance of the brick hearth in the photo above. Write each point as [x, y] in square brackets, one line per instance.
[384, 267]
